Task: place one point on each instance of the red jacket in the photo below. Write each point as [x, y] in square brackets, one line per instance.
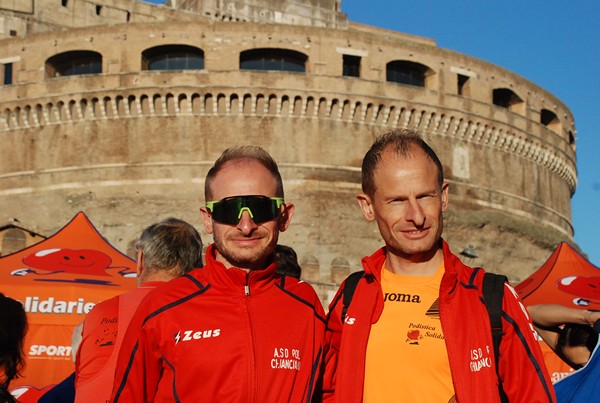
[466, 327]
[223, 335]
[103, 330]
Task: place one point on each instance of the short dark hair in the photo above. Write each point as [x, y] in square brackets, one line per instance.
[240, 153]
[403, 142]
[13, 328]
[576, 335]
[171, 245]
[287, 261]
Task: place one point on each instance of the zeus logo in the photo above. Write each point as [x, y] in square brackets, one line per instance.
[188, 335]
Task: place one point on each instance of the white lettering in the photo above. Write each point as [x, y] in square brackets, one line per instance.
[50, 350]
[88, 307]
[46, 306]
[283, 363]
[72, 305]
[482, 363]
[51, 305]
[196, 335]
[60, 307]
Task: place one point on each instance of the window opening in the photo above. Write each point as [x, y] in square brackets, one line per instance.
[14, 240]
[173, 57]
[273, 59]
[351, 66]
[464, 87]
[8, 74]
[405, 72]
[506, 98]
[74, 63]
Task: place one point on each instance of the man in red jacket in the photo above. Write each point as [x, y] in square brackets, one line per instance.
[165, 250]
[234, 330]
[417, 328]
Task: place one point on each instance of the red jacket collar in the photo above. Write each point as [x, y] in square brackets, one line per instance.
[234, 279]
[374, 263]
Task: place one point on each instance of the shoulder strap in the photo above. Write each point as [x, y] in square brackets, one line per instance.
[493, 293]
[348, 290]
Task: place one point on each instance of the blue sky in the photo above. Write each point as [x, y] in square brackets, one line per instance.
[552, 43]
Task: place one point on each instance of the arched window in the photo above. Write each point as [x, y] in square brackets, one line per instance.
[406, 72]
[14, 240]
[571, 138]
[74, 63]
[173, 57]
[273, 59]
[507, 98]
[550, 120]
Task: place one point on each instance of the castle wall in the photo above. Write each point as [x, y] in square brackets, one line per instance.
[130, 146]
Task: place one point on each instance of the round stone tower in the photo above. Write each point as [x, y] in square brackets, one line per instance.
[118, 109]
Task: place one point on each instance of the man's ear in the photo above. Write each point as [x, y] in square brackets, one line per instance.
[445, 193]
[284, 219]
[139, 265]
[366, 206]
[207, 219]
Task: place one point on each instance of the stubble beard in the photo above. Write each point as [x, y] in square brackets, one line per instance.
[243, 258]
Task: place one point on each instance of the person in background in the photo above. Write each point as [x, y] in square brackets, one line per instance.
[417, 328]
[287, 261]
[165, 250]
[569, 332]
[13, 328]
[64, 391]
[235, 330]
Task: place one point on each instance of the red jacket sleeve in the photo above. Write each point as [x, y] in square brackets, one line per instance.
[333, 336]
[139, 364]
[521, 367]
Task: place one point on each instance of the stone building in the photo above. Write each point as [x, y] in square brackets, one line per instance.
[118, 108]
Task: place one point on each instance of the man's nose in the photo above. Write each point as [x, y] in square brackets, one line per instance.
[415, 213]
[246, 225]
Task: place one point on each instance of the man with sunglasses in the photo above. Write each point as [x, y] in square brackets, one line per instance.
[234, 330]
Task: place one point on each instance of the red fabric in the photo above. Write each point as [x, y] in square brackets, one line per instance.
[566, 278]
[103, 331]
[521, 366]
[200, 337]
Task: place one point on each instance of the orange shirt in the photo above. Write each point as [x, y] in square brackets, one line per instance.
[406, 353]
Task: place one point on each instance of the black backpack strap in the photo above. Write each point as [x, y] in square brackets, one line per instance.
[348, 291]
[493, 293]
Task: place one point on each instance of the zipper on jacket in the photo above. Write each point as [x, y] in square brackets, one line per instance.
[252, 369]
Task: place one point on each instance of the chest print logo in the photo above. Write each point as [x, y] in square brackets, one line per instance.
[286, 358]
[188, 335]
[480, 358]
[413, 336]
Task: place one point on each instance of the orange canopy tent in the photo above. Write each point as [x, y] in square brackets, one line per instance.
[568, 279]
[58, 281]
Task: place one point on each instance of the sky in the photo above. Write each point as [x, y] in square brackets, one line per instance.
[553, 43]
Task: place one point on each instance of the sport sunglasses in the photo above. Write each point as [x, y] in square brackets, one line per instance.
[229, 210]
